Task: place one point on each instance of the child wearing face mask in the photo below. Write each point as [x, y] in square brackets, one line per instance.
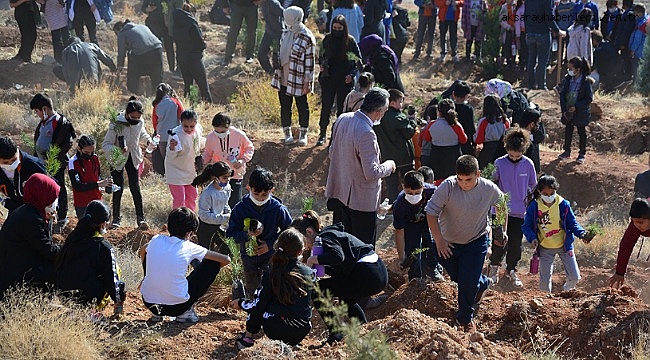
[550, 227]
[230, 145]
[514, 174]
[126, 134]
[180, 170]
[86, 266]
[270, 213]
[17, 166]
[576, 95]
[415, 249]
[84, 170]
[213, 209]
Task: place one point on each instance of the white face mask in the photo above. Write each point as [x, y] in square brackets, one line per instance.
[260, 203]
[571, 73]
[51, 210]
[375, 123]
[11, 167]
[222, 135]
[413, 199]
[548, 199]
[103, 231]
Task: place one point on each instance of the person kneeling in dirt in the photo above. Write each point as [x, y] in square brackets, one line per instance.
[26, 249]
[81, 61]
[86, 266]
[550, 226]
[282, 303]
[639, 226]
[356, 271]
[457, 217]
[415, 249]
[166, 291]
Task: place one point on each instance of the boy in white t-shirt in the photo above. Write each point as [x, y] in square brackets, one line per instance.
[165, 289]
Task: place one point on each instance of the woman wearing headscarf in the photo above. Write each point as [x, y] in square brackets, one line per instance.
[381, 61]
[338, 63]
[26, 249]
[86, 266]
[295, 77]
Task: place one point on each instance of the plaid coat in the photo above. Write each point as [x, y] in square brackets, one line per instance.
[466, 20]
[301, 66]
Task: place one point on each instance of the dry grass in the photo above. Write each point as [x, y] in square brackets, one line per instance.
[157, 200]
[131, 268]
[634, 107]
[257, 102]
[15, 119]
[35, 325]
[89, 100]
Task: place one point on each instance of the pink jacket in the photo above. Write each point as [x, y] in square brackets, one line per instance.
[236, 146]
[355, 171]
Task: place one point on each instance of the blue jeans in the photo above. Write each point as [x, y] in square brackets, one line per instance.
[465, 268]
[539, 49]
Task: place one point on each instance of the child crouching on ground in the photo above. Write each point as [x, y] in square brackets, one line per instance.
[415, 248]
[282, 302]
[550, 226]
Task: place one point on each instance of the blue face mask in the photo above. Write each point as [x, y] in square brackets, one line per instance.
[223, 185]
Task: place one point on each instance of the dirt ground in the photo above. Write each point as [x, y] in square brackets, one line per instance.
[418, 316]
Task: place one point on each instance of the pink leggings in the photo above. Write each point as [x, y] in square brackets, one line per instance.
[183, 195]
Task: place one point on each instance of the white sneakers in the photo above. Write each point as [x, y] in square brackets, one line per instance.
[189, 316]
[494, 273]
[302, 138]
[570, 285]
[515, 279]
[288, 137]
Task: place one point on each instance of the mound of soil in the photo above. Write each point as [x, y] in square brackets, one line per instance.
[434, 300]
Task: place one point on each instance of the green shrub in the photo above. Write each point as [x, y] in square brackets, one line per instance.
[52, 162]
[643, 73]
[492, 45]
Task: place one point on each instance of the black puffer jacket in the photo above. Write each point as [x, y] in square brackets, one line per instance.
[341, 250]
[89, 266]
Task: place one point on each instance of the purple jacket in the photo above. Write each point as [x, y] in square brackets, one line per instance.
[355, 173]
[518, 179]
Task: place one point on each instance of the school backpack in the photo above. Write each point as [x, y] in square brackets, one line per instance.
[517, 102]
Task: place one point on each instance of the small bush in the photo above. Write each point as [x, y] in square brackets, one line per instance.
[131, 268]
[38, 325]
[52, 162]
[14, 119]
[90, 100]
[643, 72]
[492, 45]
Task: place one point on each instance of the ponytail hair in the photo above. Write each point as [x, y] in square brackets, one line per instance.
[97, 213]
[582, 64]
[285, 282]
[309, 219]
[447, 110]
[218, 169]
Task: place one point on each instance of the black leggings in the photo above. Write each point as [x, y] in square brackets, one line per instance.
[84, 17]
[27, 26]
[192, 69]
[198, 283]
[211, 237]
[365, 279]
[134, 187]
[276, 327]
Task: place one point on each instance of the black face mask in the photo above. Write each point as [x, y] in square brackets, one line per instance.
[514, 161]
[132, 122]
[85, 156]
[338, 33]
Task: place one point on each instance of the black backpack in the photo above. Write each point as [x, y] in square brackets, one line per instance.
[517, 102]
[216, 14]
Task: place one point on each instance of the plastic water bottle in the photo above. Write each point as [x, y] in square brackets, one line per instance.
[153, 144]
[554, 45]
[113, 188]
[534, 263]
[316, 250]
[514, 49]
[383, 209]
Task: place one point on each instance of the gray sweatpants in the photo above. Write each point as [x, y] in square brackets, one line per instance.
[546, 257]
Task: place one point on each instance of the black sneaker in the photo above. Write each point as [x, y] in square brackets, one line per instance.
[244, 341]
[321, 140]
[564, 155]
[116, 223]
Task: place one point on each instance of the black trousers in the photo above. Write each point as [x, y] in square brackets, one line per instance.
[361, 224]
[27, 26]
[211, 237]
[236, 194]
[192, 69]
[512, 250]
[276, 327]
[477, 43]
[332, 89]
[266, 44]
[582, 136]
[62, 211]
[147, 64]
[198, 283]
[134, 187]
[286, 102]
[59, 40]
[85, 17]
[237, 16]
[452, 28]
[365, 280]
